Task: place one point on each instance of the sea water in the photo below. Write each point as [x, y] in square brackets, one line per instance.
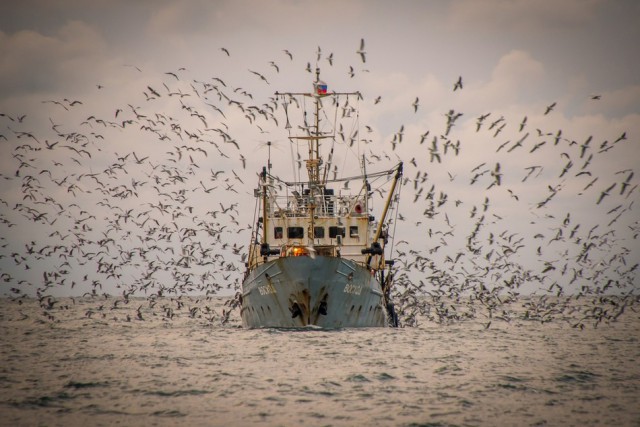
[83, 362]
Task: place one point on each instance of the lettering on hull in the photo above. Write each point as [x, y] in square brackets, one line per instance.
[352, 289]
[266, 289]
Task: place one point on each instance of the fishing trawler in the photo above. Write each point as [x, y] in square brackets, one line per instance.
[317, 252]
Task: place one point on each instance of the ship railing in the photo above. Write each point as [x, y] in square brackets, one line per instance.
[297, 205]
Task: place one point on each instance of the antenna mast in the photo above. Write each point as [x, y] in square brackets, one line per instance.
[314, 161]
[314, 134]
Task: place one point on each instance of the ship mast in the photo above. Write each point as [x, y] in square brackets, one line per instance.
[316, 183]
[314, 161]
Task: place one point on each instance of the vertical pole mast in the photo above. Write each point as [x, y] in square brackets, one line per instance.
[264, 205]
[313, 163]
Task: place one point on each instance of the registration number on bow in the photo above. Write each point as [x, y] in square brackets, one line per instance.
[352, 289]
[266, 289]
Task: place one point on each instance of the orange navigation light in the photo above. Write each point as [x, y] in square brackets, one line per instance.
[298, 251]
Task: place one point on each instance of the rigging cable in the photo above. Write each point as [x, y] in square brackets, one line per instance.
[296, 172]
[327, 167]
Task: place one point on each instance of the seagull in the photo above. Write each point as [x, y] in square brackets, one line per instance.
[458, 84]
[361, 51]
[481, 120]
[424, 136]
[583, 147]
[153, 91]
[625, 184]
[225, 51]
[415, 105]
[549, 108]
[133, 66]
[260, 75]
[55, 102]
[523, 123]
[207, 190]
[621, 138]
[605, 193]
[50, 146]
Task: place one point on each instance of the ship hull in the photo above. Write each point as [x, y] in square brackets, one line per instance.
[327, 292]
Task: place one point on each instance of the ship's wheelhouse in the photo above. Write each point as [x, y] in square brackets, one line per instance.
[314, 223]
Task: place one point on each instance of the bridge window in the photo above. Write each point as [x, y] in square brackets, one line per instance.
[318, 232]
[295, 232]
[277, 232]
[353, 231]
[336, 231]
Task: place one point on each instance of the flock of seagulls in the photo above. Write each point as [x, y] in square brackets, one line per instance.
[136, 198]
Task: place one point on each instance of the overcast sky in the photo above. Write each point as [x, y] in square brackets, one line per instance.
[515, 58]
[563, 47]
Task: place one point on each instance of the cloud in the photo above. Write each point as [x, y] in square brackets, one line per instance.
[522, 15]
[226, 18]
[517, 79]
[34, 62]
[615, 103]
[183, 18]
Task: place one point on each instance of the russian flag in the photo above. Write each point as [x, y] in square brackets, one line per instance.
[321, 88]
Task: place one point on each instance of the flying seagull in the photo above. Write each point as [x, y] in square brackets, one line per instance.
[549, 108]
[361, 51]
[458, 84]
